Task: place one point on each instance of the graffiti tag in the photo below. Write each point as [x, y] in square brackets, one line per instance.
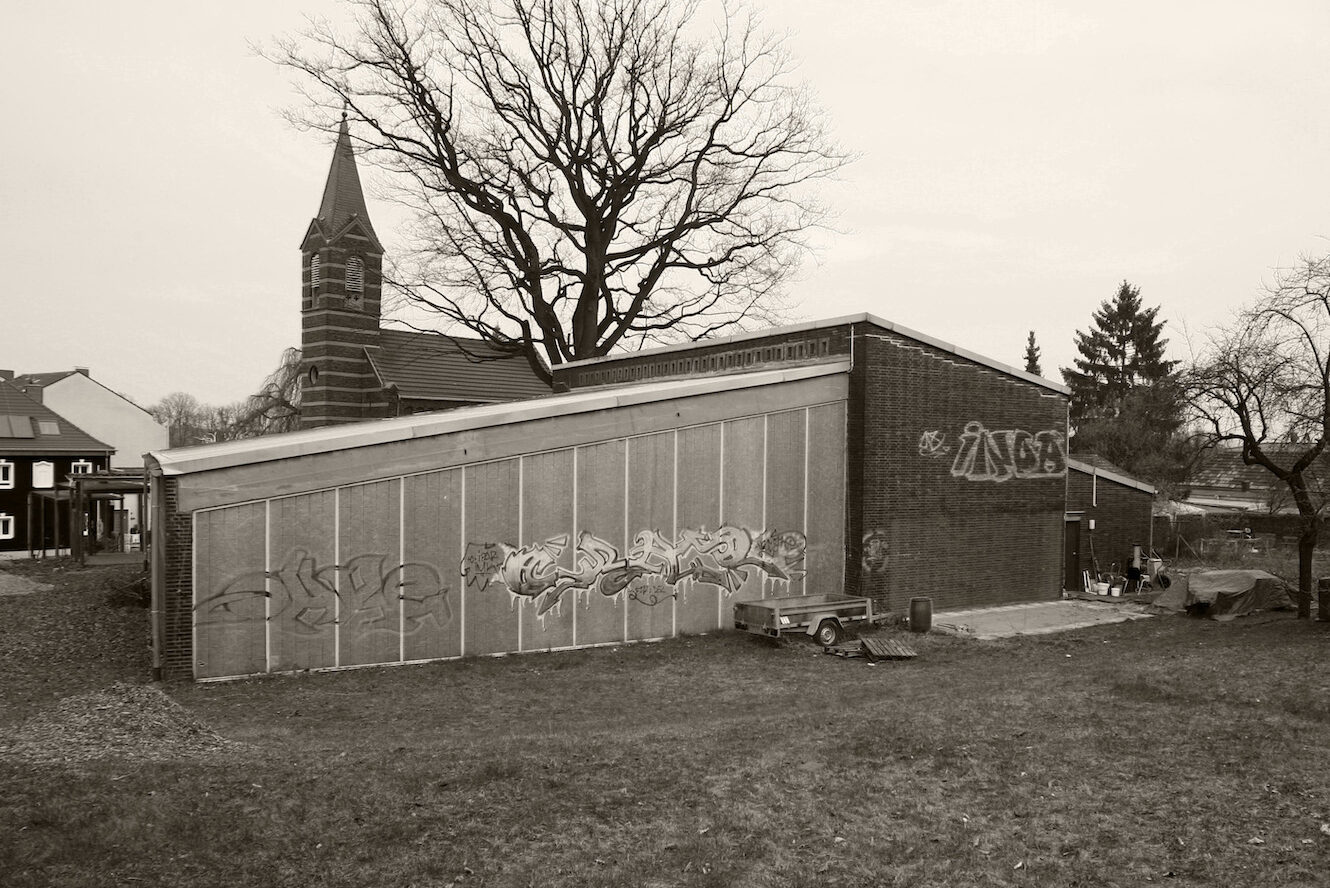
[999, 456]
[368, 594]
[649, 572]
[875, 551]
[931, 446]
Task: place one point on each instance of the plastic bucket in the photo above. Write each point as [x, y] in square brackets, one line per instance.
[921, 614]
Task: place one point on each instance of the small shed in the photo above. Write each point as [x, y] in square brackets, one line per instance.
[1108, 512]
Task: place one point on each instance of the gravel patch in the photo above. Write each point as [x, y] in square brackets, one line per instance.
[124, 721]
[13, 584]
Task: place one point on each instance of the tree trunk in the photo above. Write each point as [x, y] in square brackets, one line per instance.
[1323, 600]
[1306, 552]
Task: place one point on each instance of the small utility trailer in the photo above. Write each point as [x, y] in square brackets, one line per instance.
[825, 617]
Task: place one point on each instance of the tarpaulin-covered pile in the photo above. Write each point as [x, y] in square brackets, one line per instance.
[1224, 594]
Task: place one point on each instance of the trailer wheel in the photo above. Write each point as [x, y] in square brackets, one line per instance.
[828, 633]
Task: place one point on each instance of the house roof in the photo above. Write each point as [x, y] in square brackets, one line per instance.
[861, 318]
[1094, 464]
[22, 429]
[43, 379]
[1223, 467]
[208, 457]
[434, 367]
[343, 198]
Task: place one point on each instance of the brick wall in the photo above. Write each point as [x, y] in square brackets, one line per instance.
[962, 482]
[176, 536]
[1122, 517]
[745, 355]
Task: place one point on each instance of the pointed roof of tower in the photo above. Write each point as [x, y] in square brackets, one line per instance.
[342, 196]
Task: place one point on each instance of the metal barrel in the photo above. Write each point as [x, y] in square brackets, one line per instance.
[921, 614]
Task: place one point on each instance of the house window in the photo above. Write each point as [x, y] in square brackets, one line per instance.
[43, 475]
[81, 467]
[6, 475]
[6, 526]
[355, 276]
[314, 272]
[48, 426]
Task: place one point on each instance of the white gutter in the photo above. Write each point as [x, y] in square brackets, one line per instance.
[1110, 476]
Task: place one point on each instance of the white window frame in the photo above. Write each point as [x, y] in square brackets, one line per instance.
[6, 475]
[43, 471]
[81, 467]
[6, 526]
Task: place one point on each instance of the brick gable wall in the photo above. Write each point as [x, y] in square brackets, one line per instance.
[963, 474]
[1122, 517]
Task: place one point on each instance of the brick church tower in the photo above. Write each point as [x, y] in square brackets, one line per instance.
[342, 278]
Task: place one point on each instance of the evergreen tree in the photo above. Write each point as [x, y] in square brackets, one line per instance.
[1032, 357]
[1126, 404]
[1121, 352]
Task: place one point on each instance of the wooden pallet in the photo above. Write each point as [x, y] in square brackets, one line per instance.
[849, 650]
[886, 649]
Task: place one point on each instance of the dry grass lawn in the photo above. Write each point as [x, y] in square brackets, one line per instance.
[1171, 751]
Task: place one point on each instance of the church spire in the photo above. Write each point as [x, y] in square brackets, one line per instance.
[342, 196]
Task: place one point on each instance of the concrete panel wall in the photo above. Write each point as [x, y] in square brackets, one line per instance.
[637, 537]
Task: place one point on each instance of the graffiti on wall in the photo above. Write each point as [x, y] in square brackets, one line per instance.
[874, 552]
[986, 455]
[373, 592]
[931, 444]
[649, 572]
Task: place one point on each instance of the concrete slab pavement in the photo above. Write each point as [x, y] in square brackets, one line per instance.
[1039, 618]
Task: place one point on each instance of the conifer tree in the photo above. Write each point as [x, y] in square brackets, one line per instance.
[1121, 352]
[1032, 357]
[1126, 404]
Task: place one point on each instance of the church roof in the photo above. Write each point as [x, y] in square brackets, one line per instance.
[343, 198]
[434, 367]
[33, 429]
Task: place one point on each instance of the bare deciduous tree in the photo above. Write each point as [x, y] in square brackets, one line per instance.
[1264, 384]
[585, 175]
[275, 407]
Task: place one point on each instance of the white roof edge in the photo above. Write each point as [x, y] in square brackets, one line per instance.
[207, 457]
[1111, 476]
[861, 318]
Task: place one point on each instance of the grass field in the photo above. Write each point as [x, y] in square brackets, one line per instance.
[1171, 750]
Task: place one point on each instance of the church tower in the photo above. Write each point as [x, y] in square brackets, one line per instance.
[342, 283]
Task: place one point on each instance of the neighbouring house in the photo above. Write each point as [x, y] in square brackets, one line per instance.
[353, 369]
[39, 448]
[1108, 513]
[1222, 482]
[108, 416]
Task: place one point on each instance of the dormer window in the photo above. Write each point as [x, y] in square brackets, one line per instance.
[355, 277]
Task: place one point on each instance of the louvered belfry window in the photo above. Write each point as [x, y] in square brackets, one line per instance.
[355, 275]
[314, 272]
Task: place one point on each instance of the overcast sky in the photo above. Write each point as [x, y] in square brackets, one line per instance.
[1017, 160]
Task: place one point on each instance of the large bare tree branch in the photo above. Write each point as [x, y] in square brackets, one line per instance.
[585, 176]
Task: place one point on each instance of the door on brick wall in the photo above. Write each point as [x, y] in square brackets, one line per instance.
[1071, 555]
